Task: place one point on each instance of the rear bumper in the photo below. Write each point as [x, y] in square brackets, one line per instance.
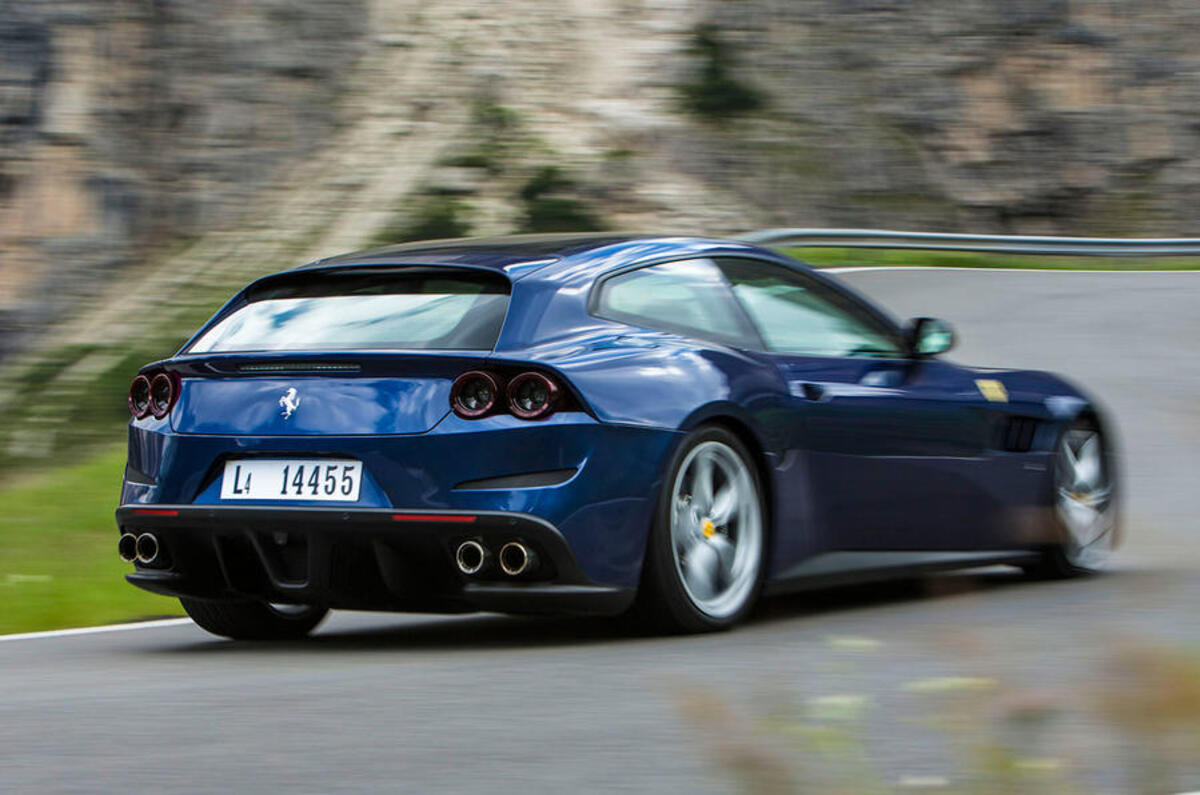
[604, 510]
[360, 558]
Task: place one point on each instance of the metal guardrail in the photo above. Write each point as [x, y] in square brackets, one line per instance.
[999, 244]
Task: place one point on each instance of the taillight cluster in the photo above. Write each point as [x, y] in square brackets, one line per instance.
[153, 396]
[530, 395]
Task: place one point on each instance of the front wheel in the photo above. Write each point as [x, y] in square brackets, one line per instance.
[1084, 504]
[704, 562]
[250, 620]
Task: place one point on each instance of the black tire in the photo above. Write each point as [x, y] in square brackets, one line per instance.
[250, 620]
[1061, 560]
[663, 603]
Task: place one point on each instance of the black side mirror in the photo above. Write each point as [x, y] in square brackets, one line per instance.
[928, 336]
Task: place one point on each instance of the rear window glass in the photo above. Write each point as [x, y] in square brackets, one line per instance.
[409, 309]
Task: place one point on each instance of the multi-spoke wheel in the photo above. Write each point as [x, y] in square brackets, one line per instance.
[1084, 504]
[704, 563]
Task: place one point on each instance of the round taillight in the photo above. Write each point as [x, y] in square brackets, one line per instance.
[532, 396]
[162, 395]
[474, 394]
[139, 397]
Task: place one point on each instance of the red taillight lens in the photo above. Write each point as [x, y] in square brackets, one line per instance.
[162, 395]
[532, 396]
[139, 397]
[474, 394]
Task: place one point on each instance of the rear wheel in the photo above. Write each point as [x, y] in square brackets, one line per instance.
[1084, 504]
[250, 620]
[704, 562]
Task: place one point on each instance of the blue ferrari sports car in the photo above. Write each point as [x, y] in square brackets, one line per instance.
[585, 424]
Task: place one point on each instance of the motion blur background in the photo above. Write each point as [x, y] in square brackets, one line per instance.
[210, 141]
[157, 154]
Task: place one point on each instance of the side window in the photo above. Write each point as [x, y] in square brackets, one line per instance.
[796, 314]
[690, 297]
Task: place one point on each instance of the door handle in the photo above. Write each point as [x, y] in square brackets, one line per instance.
[811, 391]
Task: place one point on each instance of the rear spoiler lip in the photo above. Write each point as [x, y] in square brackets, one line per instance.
[349, 361]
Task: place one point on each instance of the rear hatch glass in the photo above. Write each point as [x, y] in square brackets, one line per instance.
[364, 309]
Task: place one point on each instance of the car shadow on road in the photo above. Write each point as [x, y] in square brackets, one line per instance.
[488, 631]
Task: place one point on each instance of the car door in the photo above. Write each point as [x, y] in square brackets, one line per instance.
[893, 445]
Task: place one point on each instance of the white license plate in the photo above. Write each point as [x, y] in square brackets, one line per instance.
[291, 479]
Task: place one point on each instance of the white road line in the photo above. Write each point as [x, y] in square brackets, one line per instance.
[64, 633]
[862, 268]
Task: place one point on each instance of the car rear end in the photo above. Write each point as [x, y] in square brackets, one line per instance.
[347, 437]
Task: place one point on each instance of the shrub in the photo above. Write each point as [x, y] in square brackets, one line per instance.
[550, 208]
[715, 92]
[435, 217]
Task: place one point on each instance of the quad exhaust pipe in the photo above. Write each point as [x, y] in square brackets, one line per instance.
[147, 548]
[516, 558]
[143, 548]
[127, 547]
[471, 557]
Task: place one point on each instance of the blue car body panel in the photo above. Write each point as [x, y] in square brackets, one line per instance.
[856, 454]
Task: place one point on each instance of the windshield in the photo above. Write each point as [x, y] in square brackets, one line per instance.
[401, 309]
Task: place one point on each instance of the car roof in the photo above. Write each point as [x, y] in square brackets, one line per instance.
[514, 255]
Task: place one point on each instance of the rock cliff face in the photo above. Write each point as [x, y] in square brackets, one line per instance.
[129, 127]
[127, 123]
[1066, 116]
[157, 154]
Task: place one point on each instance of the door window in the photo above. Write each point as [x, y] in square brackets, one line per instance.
[799, 315]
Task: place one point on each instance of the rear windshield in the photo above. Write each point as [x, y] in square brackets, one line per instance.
[422, 309]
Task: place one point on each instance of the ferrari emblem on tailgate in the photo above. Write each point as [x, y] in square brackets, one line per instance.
[993, 391]
[289, 403]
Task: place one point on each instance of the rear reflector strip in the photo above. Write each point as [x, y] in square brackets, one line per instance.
[432, 517]
[154, 512]
[300, 367]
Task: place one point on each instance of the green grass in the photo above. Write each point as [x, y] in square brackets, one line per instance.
[58, 551]
[848, 257]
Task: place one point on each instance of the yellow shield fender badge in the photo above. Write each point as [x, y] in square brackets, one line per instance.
[992, 391]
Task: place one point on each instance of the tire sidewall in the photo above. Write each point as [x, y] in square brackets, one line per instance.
[661, 579]
[252, 620]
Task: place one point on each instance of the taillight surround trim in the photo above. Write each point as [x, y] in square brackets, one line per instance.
[497, 390]
[506, 382]
[141, 382]
[546, 409]
[160, 409]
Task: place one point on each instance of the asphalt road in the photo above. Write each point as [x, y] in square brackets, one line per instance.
[494, 704]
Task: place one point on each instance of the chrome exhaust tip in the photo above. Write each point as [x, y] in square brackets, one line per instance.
[471, 556]
[147, 548]
[516, 558]
[127, 547]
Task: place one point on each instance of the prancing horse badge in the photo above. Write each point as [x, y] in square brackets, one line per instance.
[289, 403]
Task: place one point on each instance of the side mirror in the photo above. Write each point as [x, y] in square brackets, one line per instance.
[928, 336]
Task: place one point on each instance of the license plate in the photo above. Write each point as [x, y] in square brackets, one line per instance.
[291, 479]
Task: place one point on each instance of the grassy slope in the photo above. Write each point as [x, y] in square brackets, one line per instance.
[58, 551]
[847, 257]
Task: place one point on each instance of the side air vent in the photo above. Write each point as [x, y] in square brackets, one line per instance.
[1016, 434]
[299, 367]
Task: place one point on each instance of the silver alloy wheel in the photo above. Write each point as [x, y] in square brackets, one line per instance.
[716, 529]
[1084, 498]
